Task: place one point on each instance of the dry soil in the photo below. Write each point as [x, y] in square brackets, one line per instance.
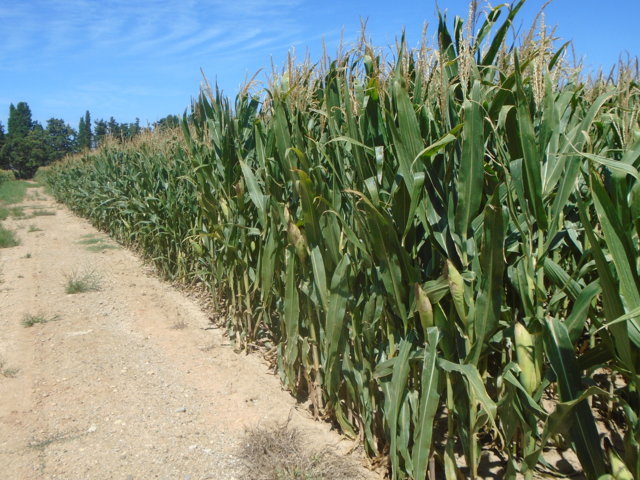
[128, 382]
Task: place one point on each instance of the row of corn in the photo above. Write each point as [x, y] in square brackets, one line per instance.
[441, 250]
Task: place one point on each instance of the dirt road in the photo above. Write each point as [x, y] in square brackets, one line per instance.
[121, 383]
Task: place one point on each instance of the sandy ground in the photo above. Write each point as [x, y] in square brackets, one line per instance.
[123, 383]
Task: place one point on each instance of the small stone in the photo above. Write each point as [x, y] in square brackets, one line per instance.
[92, 429]
[181, 410]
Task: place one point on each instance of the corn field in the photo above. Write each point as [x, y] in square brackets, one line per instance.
[440, 251]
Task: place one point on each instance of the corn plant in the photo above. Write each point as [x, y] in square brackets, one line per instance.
[437, 247]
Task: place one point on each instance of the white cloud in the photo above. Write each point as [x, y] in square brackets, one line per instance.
[117, 28]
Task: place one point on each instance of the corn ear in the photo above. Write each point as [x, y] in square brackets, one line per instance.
[296, 238]
[618, 468]
[529, 373]
[456, 286]
[423, 307]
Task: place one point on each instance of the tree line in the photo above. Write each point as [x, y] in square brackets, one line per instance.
[27, 145]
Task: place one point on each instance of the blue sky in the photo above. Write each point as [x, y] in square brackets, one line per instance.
[142, 58]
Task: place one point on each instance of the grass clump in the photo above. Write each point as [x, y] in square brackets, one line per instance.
[7, 238]
[179, 325]
[17, 212]
[90, 239]
[95, 243]
[42, 213]
[8, 372]
[30, 320]
[279, 453]
[83, 281]
[100, 247]
[13, 191]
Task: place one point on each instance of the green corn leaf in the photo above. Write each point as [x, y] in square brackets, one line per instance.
[489, 300]
[320, 276]
[429, 401]
[614, 165]
[584, 435]
[291, 319]
[397, 391]
[576, 320]
[335, 323]
[471, 170]
[621, 251]
[498, 41]
[255, 193]
[475, 383]
[532, 161]
[437, 146]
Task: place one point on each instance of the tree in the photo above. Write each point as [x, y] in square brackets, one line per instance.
[87, 122]
[101, 131]
[134, 128]
[24, 155]
[60, 139]
[84, 140]
[170, 121]
[114, 128]
[3, 140]
[20, 123]
[81, 139]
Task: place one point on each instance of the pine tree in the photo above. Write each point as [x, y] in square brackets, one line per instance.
[135, 128]
[82, 140]
[3, 140]
[87, 122]
[114, 128]
[101, 131]
[20, 123]
[85, 137]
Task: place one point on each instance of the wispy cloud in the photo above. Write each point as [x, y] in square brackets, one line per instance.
[117, 28]
[112, 54]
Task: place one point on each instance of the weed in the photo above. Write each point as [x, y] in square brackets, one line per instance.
[41, 213]
[8, 372]
[33, 228]
[36, 196]
[30, 320]
[55, 438]
[7, 238]
[90, 240]
[82, 281]
[28, 255]
[100, 247]
[17, 212]
[4, 213]
[96, 243]
[179, 325]
[278, 453]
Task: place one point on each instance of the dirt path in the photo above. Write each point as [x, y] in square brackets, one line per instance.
[125, 382]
